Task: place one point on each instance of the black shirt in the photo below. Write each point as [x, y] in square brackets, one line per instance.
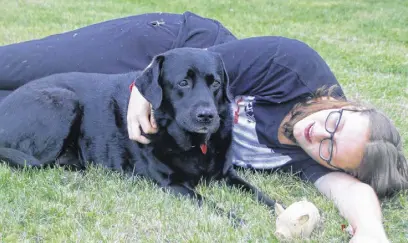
[268, 76]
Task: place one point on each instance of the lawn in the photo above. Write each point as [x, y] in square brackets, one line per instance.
[365, 43]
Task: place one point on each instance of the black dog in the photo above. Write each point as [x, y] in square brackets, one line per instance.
[74, 119]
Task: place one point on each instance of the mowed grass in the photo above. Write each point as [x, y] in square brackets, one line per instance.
[365, 43]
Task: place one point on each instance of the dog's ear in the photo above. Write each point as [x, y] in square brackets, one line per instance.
[148, 83]
[226, 86]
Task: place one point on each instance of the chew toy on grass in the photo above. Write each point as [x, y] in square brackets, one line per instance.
[296, 221]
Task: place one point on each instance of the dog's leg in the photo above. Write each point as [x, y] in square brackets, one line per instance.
[182, 190]
[233, 179]
[69, 159]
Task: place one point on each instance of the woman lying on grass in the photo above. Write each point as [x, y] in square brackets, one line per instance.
[289, 111]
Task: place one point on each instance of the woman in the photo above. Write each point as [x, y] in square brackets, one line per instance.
[284, 119]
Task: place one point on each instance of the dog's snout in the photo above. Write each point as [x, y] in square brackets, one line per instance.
[205, 115]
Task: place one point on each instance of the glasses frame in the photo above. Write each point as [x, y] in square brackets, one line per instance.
[330, 139]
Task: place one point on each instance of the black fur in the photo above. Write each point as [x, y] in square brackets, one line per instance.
[74, 119]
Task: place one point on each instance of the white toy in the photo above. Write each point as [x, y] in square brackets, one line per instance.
[296, 221]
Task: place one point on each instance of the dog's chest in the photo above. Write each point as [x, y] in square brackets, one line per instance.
[192, 164]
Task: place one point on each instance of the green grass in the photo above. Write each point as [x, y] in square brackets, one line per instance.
[365, 43]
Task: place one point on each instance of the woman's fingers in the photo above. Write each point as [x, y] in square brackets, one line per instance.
[152, 120]
[139, 112]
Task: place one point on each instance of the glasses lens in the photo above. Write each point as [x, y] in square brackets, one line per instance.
[332, 121]
[325, 149]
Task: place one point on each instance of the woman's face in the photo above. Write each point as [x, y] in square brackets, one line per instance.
[348, 142]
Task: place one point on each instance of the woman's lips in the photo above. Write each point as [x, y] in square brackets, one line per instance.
[308, 133]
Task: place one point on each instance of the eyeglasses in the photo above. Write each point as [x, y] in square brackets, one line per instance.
[326, 145]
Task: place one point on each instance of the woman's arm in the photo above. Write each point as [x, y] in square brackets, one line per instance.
[357, 203]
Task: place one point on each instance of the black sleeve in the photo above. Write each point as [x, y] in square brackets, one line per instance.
[274, 69]
[308, 170]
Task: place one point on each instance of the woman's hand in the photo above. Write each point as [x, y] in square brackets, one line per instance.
[140, 116]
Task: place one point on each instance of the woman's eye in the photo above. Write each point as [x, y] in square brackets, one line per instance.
[183, 83]
[216, 84]
[332, 121]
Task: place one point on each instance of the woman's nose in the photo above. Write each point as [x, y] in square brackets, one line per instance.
[319, 132]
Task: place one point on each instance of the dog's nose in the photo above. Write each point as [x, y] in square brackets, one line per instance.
[205, 115]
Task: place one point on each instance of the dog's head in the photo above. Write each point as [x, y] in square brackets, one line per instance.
[190, 85]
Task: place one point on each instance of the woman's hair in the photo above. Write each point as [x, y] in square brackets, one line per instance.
[384, 166]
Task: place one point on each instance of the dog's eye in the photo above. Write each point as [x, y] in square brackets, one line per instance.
[183, 83]
[216, 84]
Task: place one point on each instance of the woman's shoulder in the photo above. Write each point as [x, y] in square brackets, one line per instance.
[275, 68]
